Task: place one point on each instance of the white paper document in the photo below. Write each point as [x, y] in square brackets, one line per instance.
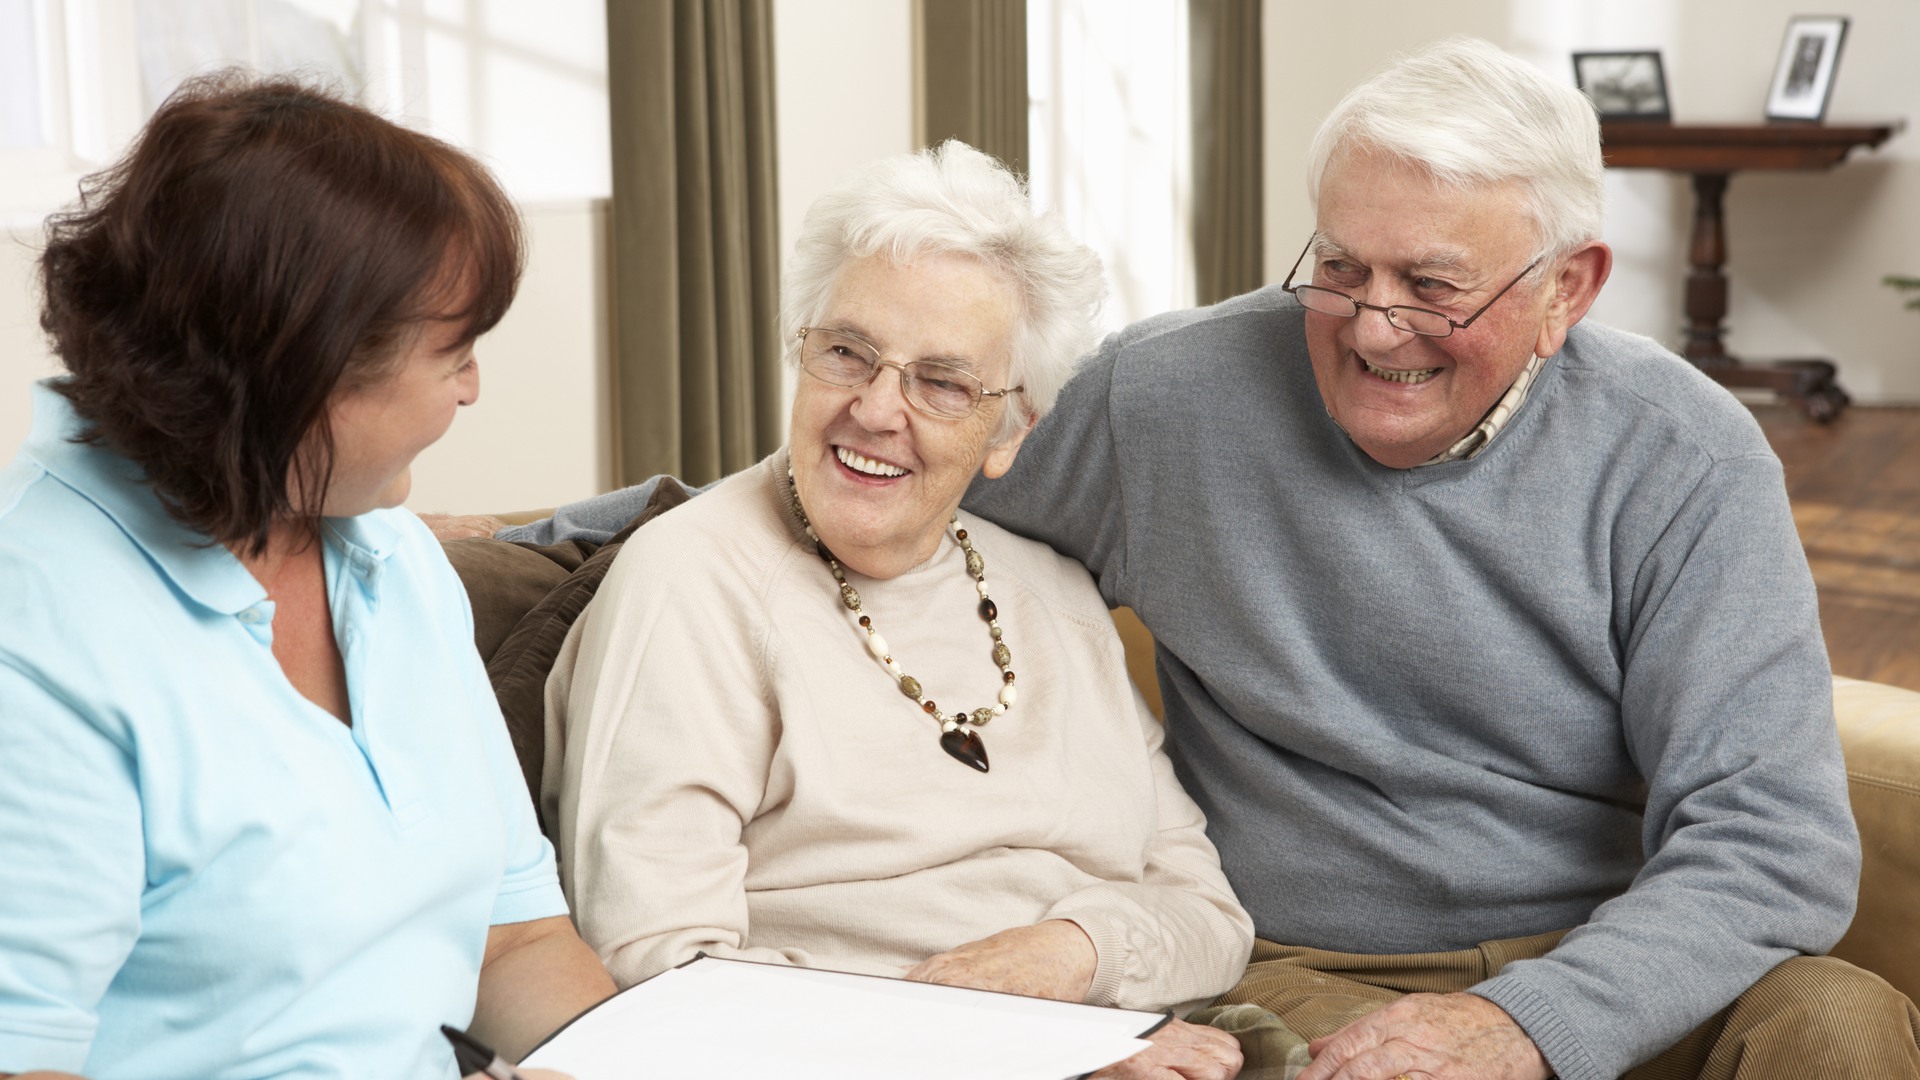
[731, 1018]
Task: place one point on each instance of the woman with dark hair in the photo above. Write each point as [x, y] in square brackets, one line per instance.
[262, 817]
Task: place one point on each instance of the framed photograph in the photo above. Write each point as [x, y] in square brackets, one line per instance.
[1803, 80]
[1623, 85]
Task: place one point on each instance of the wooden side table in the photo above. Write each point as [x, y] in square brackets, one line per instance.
[1712, 153]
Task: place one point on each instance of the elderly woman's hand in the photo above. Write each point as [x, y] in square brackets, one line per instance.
[1180, 1051]
[1053, 959]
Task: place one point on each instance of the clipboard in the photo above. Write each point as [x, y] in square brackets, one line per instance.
[720, 1019]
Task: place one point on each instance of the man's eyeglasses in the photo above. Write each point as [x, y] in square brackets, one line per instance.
[840, 359]
[1411, 319]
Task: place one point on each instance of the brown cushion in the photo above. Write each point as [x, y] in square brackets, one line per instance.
[505, 580]
[519, 667]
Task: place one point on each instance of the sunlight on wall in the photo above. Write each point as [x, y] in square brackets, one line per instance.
[826, 123]
[1109, 141]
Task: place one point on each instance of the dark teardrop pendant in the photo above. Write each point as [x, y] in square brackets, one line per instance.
[965, 746]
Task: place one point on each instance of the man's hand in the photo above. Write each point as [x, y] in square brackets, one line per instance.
[1180, 1051]
[462, 526]
[1054, 959]
[1429, 1037]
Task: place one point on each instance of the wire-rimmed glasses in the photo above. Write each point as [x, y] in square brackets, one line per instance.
[1413, 320]
[838, 358]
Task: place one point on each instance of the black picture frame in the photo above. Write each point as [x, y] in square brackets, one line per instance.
[1803, 78]
[1624, 85]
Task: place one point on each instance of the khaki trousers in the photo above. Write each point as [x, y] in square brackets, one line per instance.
[1812, 1016]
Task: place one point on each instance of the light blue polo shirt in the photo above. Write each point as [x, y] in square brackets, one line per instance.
[202, 874]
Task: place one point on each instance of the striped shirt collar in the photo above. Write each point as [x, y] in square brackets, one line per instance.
[1473, 442]
[1477, 440]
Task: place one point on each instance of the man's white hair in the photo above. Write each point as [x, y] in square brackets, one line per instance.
[1469, 114]
[953, 199]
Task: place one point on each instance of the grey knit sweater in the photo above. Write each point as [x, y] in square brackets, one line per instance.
[1575, 681]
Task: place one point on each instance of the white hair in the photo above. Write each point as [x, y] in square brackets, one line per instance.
[1469, 114]
[953, 199]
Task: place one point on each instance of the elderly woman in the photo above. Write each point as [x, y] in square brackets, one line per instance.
[816, 716]
[261, 815]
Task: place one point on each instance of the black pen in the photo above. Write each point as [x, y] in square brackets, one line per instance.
[475, 1057]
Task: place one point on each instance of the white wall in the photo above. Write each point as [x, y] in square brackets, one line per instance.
[828, 122]
[843, 77]
[23, 352]
[539, 435]
[1806, 250]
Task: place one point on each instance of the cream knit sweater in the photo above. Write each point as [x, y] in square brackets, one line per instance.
[729, 770]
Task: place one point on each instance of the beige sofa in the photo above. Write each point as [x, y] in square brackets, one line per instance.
[524, 598]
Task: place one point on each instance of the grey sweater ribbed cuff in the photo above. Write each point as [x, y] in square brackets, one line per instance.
[1566, 1055]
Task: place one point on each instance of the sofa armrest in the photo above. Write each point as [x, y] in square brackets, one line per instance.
[1880, 735]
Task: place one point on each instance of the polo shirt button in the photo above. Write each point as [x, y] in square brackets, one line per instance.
[250, 616]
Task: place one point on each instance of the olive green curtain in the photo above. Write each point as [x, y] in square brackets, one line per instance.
[973, 75]
[1224, 49]
[693, 255]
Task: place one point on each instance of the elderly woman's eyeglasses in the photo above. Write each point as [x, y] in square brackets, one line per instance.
[1411, 319]
[840, 359]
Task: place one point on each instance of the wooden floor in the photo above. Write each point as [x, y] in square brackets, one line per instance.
[1855, 489]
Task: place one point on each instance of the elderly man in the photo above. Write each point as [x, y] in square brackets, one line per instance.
[1486, 639]
[1488, 644]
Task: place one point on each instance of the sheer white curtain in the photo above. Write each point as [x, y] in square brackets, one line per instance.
[22, 101]
[1110, 141]
[523, 85]
[179, 38]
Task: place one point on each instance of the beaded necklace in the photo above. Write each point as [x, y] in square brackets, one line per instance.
[959, 736]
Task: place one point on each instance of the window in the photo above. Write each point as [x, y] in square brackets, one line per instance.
[180, 38]
[521, 85]
[1110, 143]
[23, 103]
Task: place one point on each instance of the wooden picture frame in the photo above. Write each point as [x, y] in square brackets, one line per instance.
[1803, 77]
[1624, 85]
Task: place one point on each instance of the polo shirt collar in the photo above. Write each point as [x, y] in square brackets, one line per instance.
[197, 565]
[365, 544]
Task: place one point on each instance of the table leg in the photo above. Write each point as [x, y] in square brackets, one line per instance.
[1810, 383]
[1706, 283]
